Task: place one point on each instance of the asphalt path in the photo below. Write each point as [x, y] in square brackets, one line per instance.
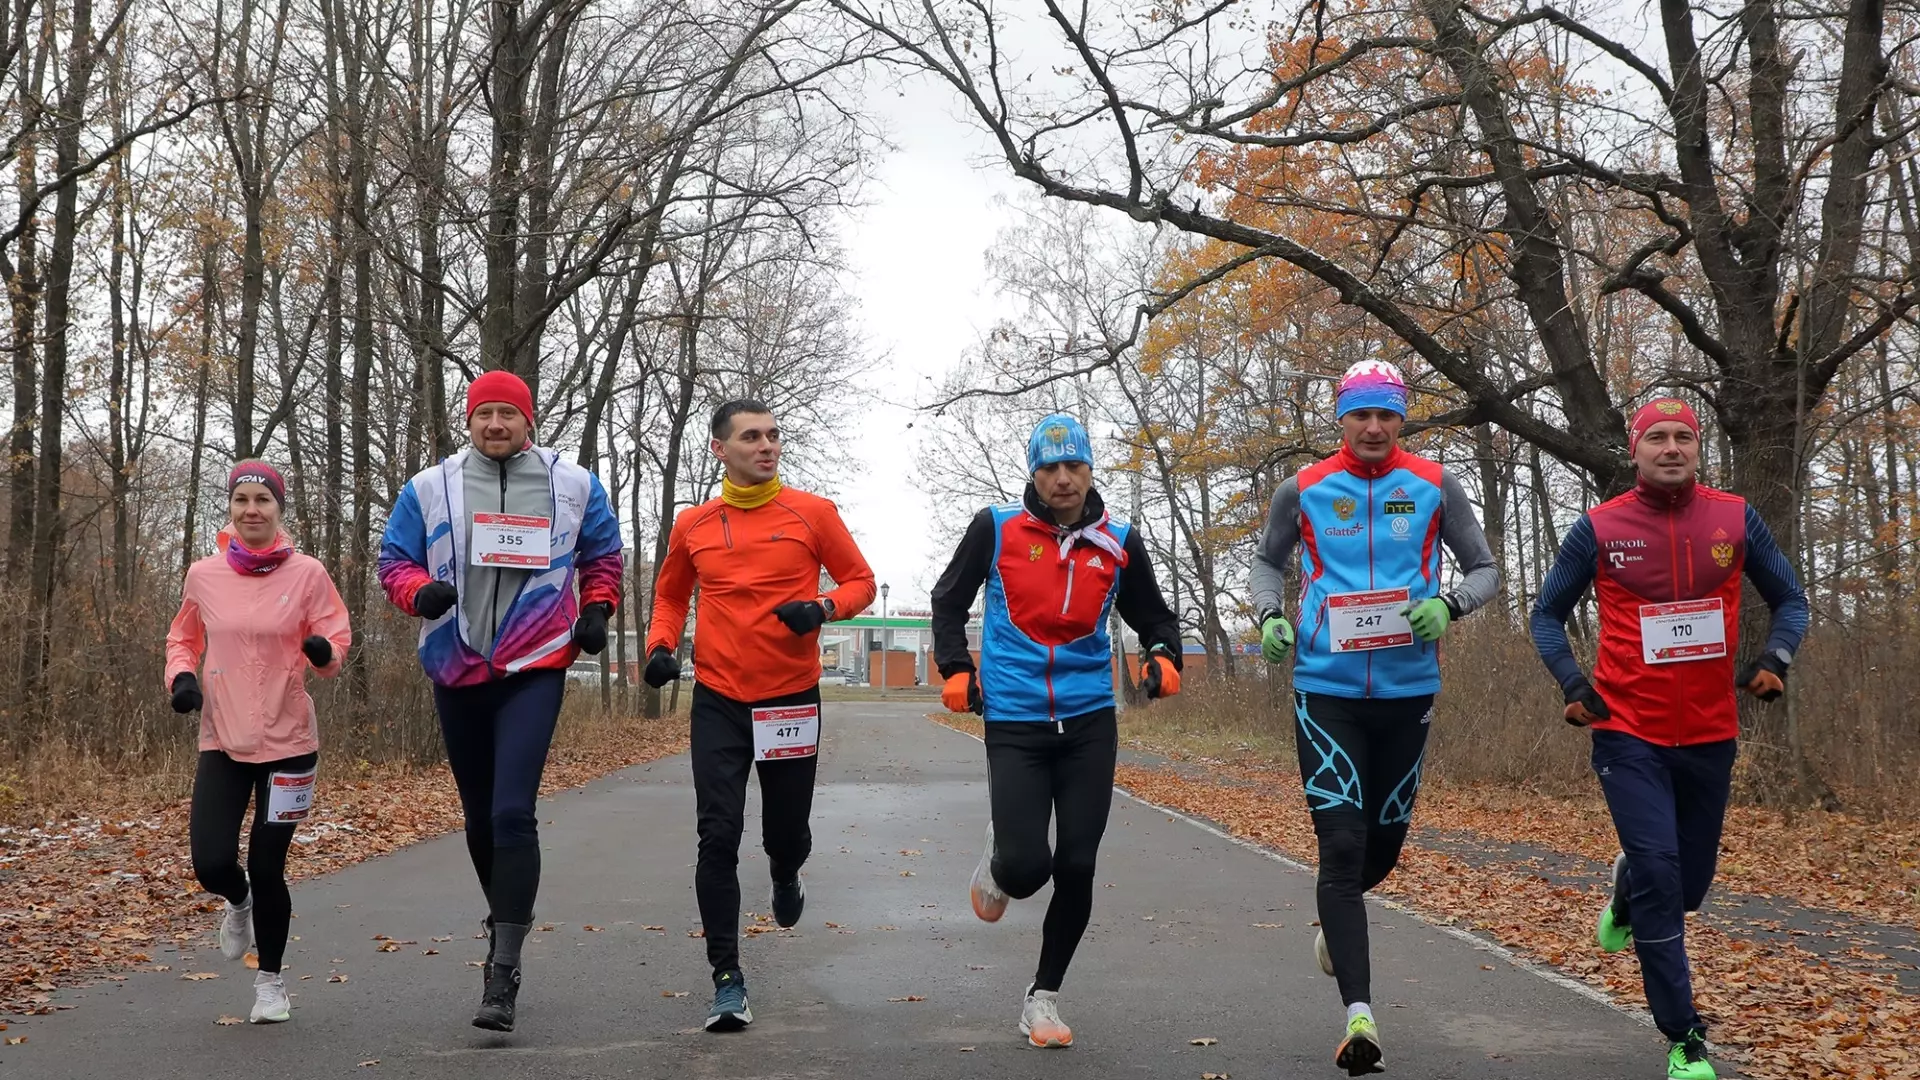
[1194, 937]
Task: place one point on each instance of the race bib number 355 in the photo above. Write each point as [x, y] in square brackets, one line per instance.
[516, 540]
[289, 797]
[786, 731]
[1369, 620]
[1688, 630]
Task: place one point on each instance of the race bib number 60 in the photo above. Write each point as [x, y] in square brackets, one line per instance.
[786, 731]
[289, 797]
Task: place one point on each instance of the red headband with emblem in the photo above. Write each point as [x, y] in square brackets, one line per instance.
[1658, 411]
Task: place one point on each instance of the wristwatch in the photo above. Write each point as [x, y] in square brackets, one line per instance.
[826, 605]
[1782, 655]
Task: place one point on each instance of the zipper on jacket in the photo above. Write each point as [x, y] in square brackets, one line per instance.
[1691, 588]
[1068, 602]
[493, 605]
[726, 530]
[1050, 702]
[1673, 553]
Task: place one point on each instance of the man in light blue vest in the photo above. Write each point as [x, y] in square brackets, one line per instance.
[1369, 522]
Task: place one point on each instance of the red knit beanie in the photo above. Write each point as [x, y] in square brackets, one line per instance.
[1659, 411]
[500, 386]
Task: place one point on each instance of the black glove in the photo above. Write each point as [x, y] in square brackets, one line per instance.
[662, 668]
[318, 649]
[1585, 705]
[1764, 678]
[590, 630]
[434, 598]
[802, 616]
[186, 693]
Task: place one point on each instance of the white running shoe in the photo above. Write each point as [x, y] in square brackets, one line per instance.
[236, 930]
[1040, 1021]
[270, 1004]
[1320, 952]
[989, 903]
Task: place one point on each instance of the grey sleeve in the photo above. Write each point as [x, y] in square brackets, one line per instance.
[1267, 580]
[1460, 531]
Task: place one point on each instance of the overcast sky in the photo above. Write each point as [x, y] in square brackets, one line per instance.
[917, 253]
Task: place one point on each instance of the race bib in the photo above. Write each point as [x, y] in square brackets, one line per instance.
[786, 731]
[1369, 620]
[1688, 630]
[289, 797]
[514, 540]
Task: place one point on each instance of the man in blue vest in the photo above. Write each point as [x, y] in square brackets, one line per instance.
[1369, 522]
[1054, 566]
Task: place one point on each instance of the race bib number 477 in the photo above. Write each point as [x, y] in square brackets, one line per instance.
[786, 731]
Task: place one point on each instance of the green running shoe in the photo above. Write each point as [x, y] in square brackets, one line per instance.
[1613, 933]
[1688, 1059]
[1359, 1052]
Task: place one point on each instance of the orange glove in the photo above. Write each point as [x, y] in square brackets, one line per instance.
[1585, 706]
[1159, 678]
[1764, 678]
[962, 694]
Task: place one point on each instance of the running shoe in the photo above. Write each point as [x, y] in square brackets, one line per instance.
[1320, 952]
[1040, 1021]
[1688, 1059]
[270, 1004]
[989, 903]
[236, 929]
[1613, 933]
[1359, 1052]
[730, 1011]
[788, 901]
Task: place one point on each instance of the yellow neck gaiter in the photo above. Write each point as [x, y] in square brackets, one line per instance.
[746, 498]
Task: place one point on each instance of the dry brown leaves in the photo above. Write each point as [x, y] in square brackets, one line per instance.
[91, 890]
[1789, 1013]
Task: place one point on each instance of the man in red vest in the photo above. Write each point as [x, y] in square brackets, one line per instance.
[1665, 561]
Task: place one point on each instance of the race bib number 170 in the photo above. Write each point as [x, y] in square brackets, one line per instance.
[1687, 630]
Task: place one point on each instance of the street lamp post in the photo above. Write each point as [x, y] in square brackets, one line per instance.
[886, 639]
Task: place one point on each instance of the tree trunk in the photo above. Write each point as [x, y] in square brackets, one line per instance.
[670, 473]
[201, 388]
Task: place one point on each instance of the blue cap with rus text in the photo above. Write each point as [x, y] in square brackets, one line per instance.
[1055, 439]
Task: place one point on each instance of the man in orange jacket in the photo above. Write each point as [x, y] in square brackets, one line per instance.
[756, 552]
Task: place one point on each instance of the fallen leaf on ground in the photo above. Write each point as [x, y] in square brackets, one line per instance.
[909, 997]
[1216, 1076]
[429, 952]
[444, 938]
[251, 961]
[661, 928]
[369, 1063]
[591, 929]
[966, 1049]
[696, 933]
[388, 946]
[336, 977]
[1268, 925]
[674, 993]
[1202, 1042]
[229, 1021]
[833, 926]
[16, 1040]
[200, 976]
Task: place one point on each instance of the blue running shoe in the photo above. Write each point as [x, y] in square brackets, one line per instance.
[730, 1011]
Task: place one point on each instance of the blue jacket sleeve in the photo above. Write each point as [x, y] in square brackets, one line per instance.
[405, 539]
[599, 528]
[1573, 570]
[1771, 573]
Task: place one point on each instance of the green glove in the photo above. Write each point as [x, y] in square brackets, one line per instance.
[1276, 639]
[1429, 618]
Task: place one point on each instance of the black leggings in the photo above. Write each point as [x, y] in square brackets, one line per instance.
[221, 788]
[1038, 770]
[497, 735]
[1360, 760]
[722, 755]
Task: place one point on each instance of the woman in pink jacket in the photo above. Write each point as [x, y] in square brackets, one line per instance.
[258, 614]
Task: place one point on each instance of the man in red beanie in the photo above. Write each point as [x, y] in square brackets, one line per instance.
[1665, 561]
[488, 547]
